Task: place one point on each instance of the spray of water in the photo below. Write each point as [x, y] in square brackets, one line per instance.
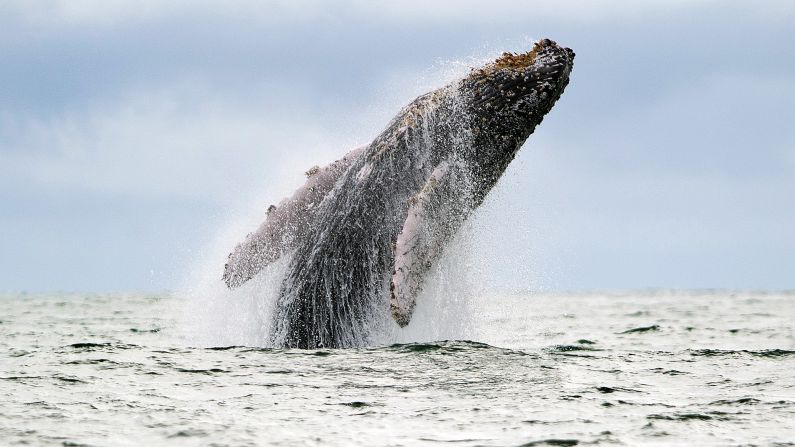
[333, 288]
[258, 313]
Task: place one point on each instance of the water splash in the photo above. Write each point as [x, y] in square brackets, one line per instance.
[332, 288]
[214, 315]
[250, 314]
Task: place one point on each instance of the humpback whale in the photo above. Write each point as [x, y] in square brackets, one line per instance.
[361, 235]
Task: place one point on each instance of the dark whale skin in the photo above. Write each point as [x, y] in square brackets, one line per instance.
[338, 278]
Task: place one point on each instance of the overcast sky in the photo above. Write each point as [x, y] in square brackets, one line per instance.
[138, 139]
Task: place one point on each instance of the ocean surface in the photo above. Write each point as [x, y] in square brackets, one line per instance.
[631, 368]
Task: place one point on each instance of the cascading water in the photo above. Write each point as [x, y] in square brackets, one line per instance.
[249, 315]
[379, 230]
[344, 298]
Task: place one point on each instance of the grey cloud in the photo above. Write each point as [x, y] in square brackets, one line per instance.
[670, 153]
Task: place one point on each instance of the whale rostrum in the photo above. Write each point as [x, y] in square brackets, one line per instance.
[363, 232]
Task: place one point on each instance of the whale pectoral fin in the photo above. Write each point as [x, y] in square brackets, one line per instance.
[435, 213]
[286, 223]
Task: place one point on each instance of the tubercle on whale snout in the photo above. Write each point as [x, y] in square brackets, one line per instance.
[517, 62]
[510, 96]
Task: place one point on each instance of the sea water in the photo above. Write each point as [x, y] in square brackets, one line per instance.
[631, 368]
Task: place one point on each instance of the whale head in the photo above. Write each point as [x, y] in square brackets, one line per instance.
[510, 96]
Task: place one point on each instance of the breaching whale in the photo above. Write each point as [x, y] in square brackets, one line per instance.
[363, 232]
